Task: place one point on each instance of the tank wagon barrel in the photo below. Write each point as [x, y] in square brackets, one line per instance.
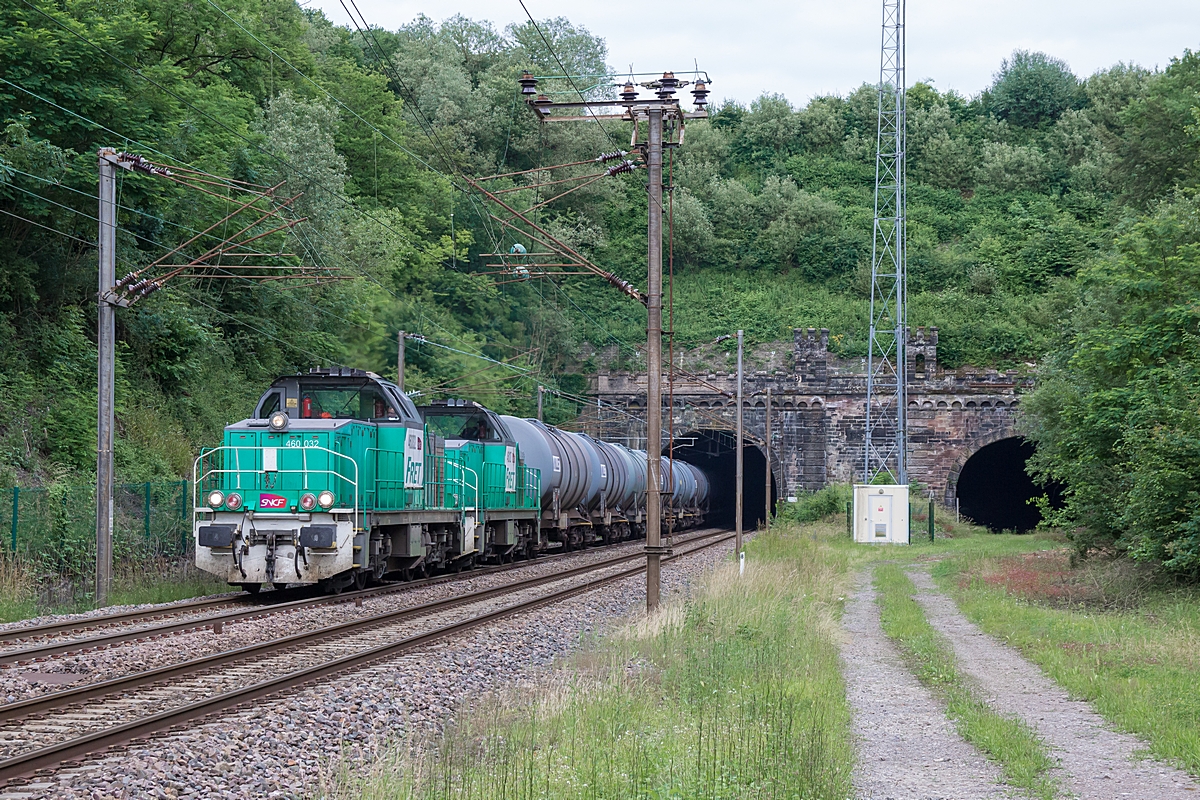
[338, 479]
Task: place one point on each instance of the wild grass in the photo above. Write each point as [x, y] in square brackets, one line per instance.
[1103, 630]
[23, 594]
[736, 693]
[821, 504]
[1020, 753]
[164, 581]
[17, 591]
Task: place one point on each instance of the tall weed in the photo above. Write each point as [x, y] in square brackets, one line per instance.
[736, 693]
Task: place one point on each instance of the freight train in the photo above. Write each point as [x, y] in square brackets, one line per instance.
[339, 480]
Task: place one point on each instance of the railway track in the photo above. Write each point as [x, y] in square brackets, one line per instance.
[17, 635]
[43, 733]
[243, 608]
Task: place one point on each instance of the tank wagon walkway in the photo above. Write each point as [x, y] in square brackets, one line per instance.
[907, 748]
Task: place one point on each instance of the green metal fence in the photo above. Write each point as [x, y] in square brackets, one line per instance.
[53, 528]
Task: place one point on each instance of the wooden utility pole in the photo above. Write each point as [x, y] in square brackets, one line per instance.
[767, 446]
[654, 361]
[105, 349]
[655, 112]
[400, 361]
[738, 485]
[541, 394]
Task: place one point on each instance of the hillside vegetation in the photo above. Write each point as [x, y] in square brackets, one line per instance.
[1049, 214]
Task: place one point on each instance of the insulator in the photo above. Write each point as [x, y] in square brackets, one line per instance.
[624, 166]
[629, 92]
[140, 164]
[605, 157]
[528, 83]
[666, 86]
[625, 286]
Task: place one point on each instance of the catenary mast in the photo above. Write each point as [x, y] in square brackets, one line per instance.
[885, 450]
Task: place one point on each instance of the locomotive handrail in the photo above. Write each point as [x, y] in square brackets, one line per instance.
[533, 489]
[377, 480]
[198, 479]
[465, 485]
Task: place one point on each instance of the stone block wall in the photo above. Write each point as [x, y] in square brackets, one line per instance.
[818, 412]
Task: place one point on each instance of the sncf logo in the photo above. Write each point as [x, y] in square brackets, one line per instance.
[271, 501]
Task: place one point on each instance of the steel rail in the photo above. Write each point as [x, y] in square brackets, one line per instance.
[13, 770]
[260, 609]
[106, 620]
[46, 703]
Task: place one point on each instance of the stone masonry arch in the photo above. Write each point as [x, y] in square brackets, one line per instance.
[818, 412]
[963, 455]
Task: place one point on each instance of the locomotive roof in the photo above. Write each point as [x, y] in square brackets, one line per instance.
[335, 377]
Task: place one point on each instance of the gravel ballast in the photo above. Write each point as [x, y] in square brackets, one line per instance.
[284, 747]
[907, 748]
[68, 671]
[1096, 762]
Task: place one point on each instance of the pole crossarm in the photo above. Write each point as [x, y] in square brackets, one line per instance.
[209, 264]
[551, 242]
[659, 113]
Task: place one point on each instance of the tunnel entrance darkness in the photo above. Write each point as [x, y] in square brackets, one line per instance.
[994, 489]
[715, 452]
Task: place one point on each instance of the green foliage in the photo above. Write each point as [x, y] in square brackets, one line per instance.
[1160, 148]
[1115, 415]
[817, 505]
[1033, 89]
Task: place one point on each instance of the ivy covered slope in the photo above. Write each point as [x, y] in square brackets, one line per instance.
[261, 92]
[1011, 194]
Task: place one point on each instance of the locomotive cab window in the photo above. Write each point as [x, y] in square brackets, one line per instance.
[472, 427]
[331, 401]
[269, 404]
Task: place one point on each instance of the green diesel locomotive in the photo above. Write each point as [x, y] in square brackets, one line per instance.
[338, 480]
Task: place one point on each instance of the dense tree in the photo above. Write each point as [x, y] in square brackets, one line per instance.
[1160, 148]
[1116, 415]
[1033, 89]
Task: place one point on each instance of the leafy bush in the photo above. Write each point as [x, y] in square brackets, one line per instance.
[1116, 414]
[817, 505]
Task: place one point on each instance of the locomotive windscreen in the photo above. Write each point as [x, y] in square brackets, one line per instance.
[475, 427]
[322, 400]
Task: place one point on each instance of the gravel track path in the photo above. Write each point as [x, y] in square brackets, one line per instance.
[284, 748]
[907, 748]
[1097, 762]
[69, 671]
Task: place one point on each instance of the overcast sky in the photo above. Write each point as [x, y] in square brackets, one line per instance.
[811, 47]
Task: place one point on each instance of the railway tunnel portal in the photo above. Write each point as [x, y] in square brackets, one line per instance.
[963, 443]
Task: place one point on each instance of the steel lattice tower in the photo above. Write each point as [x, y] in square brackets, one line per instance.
[887, 371]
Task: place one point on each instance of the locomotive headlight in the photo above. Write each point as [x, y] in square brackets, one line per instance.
[216, 498]
[234, 501]
[308, 501]
[325, 499]
[278, 421]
